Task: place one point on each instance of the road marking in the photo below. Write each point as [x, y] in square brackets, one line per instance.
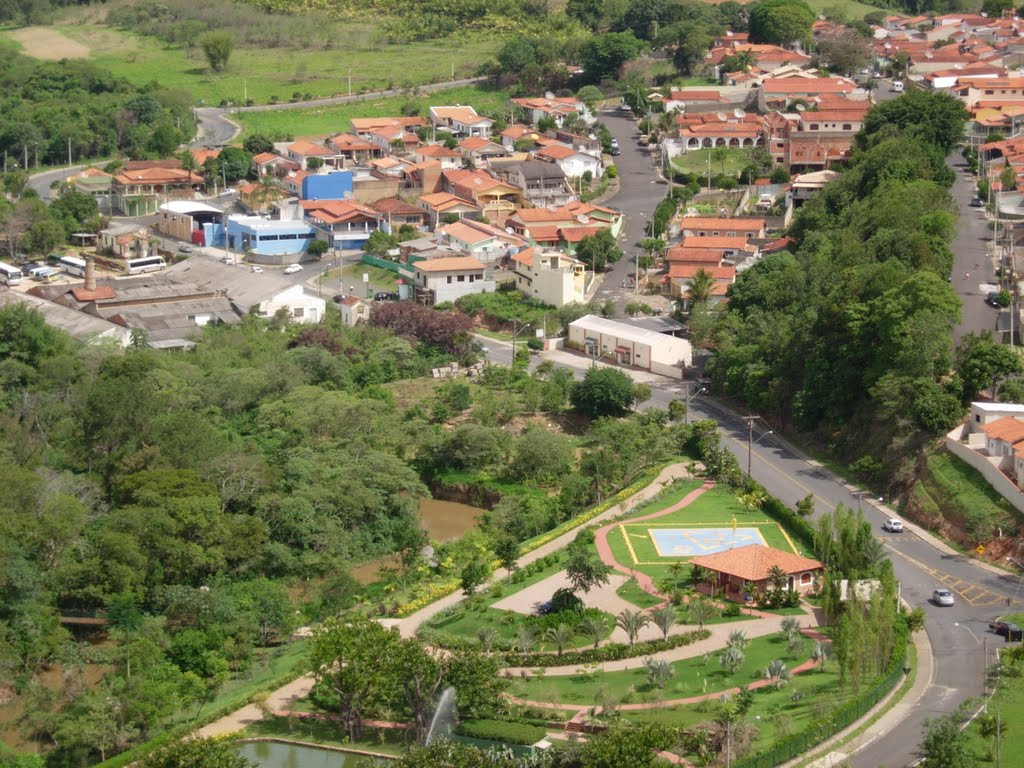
[972, 593]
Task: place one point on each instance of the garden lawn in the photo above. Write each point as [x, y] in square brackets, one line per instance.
[505, 623]
[697, 161]
[1009, 703]
[380, 279]
[689, 679]
[385, 740]
[631, 591]
[962, 494]
[266, 74]
[321, 121]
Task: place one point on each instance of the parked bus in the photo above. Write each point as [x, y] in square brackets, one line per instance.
[72, 265]
[9, 275]
[48, 275]
[147, 264]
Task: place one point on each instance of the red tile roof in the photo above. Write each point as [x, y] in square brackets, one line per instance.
[1008, 429]
[449, 264]
[755, 561]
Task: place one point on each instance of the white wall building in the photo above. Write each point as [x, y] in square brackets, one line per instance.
[450, 278]
[628, 345]
[551, 277]
[300, 306]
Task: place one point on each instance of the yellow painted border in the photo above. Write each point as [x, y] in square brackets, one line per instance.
[657, 549]
[629, 545]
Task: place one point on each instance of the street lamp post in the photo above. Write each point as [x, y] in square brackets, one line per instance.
[751, 441]
[515, 334]
[689, 399]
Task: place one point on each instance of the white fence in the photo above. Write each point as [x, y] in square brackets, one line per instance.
[1003, 485]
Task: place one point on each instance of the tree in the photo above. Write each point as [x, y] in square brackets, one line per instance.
[731, 659]
[931, 116]
[821, 653]
[235, 163]
[525, 639]
[542, 456]
[603, 55]
[584, 569]
[700, 287]
[195, 753]
[506, 549]
[559, 636]
[379, 243]
[641, 394]
[344, 656]
[631, 622]
[991, 726]
[599, 250]
[846, 52]
[738, 639]
[217, 47]
[603, 392]
[664, 618]
[780, 22]
[76, 211]
[945, 744]
[593, 627]
[777, 673]
[257, 144]
[474, 573]
[487, 637]
[982, 362]
[805, 507]
[317, 248]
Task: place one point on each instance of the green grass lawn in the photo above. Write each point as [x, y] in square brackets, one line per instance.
[847, 9]
[384, 740]
[692, 677]
[321, 121]
[264, 74]
[696, 161]
[715, 507]
[1009, 703]
[380, 279]
[631, 591]
[505, 623]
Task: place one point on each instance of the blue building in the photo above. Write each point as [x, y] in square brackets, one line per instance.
[336, 185]
[269, 237]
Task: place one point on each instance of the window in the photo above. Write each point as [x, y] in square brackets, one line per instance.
[462, 278]
[265, 238]
[298, 312]
[814, 126]
[847, 127]
[449, 279]
[805, 579]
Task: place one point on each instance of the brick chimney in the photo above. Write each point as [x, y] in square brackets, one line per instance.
[90, 274]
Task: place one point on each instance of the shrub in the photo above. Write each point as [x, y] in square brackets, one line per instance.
[731, 610]
[610, 652]
[500, 730]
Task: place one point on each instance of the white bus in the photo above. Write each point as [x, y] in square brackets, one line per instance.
[72, 265]
[48, 275]
[9, 275]
[147, 264]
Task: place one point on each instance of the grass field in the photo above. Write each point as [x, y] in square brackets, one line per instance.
[321, 121]
[264, 74]
[846, 9]
[692, 677]
[715, 508]
[697, 161]
[380, 279]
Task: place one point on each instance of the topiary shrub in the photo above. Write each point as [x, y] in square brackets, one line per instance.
[499, 730]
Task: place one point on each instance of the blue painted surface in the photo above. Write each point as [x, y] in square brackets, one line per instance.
[270, 238]
[336, 185]
[690, 542]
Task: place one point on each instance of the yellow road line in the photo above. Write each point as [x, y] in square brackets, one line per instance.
[964, 588]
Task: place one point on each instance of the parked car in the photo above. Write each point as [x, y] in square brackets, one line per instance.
[615, 152]
[338, 298]
[897, 86]
[256, 269]
[892, 525]
[184, 249]
[385, 296]
[291, 269]
[228, 259]
[993, 300]
[977, 202]
[943, 597]
[1007, 629]
[615, 142]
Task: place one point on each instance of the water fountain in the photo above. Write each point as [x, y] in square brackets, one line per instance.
[443, 721]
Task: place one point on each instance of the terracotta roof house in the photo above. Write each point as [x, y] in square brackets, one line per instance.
[355, 149]
[704, 226]
[438, 205]
[461, 121]
[450, 159]
[555, 108]
[736, 570]
[496, 198]
[137, 191]
[449, 278]
[478, 149]
[395, 212]
[364, 125]
[303, 151]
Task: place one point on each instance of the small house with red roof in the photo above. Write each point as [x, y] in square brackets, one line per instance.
[450, 159]
[572, 162]
[354, 310]
[477, 149]
[344, 224]
[461, 121]
[395, 213]
[302, 151]
[748, 570]
[550, 277]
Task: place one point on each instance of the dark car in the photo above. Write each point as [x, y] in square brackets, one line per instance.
[993, 300]
[385, 296]
[1007, 629]
[339, 298]
[614, 152]
[977, 202]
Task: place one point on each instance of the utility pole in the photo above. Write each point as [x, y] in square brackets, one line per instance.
[750, 440]
[999, 724]
[350, 82]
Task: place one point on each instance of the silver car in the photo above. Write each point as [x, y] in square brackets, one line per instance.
[943, 597]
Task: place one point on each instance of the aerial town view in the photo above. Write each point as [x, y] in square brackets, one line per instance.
[515, 384]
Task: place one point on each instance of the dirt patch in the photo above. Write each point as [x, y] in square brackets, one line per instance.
[47, 43]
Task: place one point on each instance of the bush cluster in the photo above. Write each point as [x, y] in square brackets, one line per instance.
[500, 730]
[610, 652]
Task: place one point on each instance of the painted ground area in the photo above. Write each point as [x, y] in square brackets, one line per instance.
[650, 543]
[690, 542]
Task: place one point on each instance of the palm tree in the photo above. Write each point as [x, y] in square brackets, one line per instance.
[991, 726]
[659, 672]
[743, 60]
[698, 575]
[789, 626]
[631, 622]
[559, 636]
[267, 190]
[776, 577]
[732, 659]
[664, 618]
[777, 672]
[821, 653]
[738, 639]
[700, 611]
[700, 287]
[593, 627]
[720, 154]
[486, 636]
[526, 638]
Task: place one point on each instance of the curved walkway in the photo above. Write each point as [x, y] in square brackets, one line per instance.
[800, 668]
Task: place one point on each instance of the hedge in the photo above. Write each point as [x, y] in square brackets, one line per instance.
[610, 652]
[499, 730]
[854, 709]
[798, 527]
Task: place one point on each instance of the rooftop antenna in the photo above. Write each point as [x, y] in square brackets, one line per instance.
[739, 112]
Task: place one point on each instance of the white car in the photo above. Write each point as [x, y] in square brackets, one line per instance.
[892, 525]
[257, 270]
[291, 269]
[943, 597]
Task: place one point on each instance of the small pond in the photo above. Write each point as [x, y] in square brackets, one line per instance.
[270, 754]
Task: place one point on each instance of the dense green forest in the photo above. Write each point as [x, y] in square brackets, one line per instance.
[207, 502]
[848, 337]
[50, 108]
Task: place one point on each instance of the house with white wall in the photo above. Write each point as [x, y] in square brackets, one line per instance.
[550, 277]
[625, 344]
[572, 162]
[449, 278]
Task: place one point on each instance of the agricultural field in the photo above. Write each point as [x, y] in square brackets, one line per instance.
[262, 75]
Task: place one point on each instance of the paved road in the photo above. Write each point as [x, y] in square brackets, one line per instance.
[641, 188]
[216, 128]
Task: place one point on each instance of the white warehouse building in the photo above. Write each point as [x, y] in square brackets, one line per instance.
[628, 345]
